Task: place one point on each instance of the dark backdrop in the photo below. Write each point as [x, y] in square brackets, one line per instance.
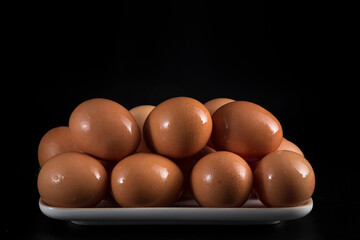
[278, 55]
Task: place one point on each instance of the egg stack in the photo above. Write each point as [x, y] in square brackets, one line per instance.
[219, 153]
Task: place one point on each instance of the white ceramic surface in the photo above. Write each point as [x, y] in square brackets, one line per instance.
[186, 212]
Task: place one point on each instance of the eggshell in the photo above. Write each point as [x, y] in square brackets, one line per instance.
[178, 127]
[186, 165]
[109, 166]
[146, 180]
[72, 179]
[140, 114]
[221, 179]
[246, 129]
[104, 129]
[214, 105]
[287, 145]
[54, 142]
[253, 165]
[284, 179]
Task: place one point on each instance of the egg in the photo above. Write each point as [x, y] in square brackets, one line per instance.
[253, 165]
[104, 129]
[109, 166]
[287, 145]
[214, 105]
[140, 113]
[246, 129]
[54, 142]
[146, 180]
[284, 179]
[221, 179]
[178, 127]
[71, 180]
[186, 165]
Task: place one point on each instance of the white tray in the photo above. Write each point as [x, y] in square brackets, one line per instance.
[185, 212]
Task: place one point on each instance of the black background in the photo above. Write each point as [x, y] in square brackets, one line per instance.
[284, 56]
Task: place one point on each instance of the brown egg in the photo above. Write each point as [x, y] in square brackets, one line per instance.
[109, 166]
[140, 114]
[246, 129]
[221, 179]
[178, 127]
[287, 145]
[104, 129]
[146, 180]
[253, 165]
[72, 179]
[186, 165]
[54, 142]
[284, 179]
[214, 105]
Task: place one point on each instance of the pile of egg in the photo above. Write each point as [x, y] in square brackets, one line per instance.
[219, 153]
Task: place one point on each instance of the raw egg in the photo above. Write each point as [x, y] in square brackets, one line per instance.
[221, 179]
[214, 105]
[186, 165]
[104, 129]
[284, 179]
[72, 179]
[54, 142]
[178, 127]
[109, 166]
[146, 180]
[253, 165]
[246, 129]
[287, 145]
[140, 114]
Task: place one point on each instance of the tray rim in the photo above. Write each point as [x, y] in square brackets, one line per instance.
[175, 214]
